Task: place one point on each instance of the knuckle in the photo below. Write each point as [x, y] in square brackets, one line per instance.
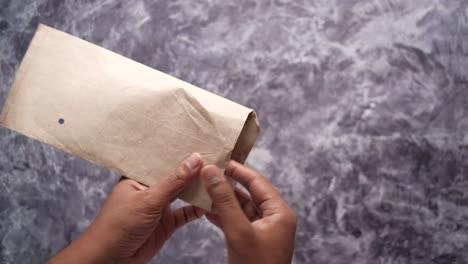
[148, 204]
[179, 172]
[256, 175]
[221, 193]
[250, 181]
[222, 198]
[177, 177]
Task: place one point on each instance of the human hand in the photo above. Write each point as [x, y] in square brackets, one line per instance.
[260, 227]
[135, 221]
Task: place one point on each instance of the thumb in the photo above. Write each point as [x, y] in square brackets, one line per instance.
[164, 192]
[231, 216]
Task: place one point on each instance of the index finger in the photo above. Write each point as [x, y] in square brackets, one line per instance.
[263, 193]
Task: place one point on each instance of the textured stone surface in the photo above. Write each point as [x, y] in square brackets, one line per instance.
[363, 106]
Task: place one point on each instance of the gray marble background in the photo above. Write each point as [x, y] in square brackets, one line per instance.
[363, 106]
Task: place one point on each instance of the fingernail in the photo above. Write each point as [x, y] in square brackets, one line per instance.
[229, 168]
[193, 162]
[212, 178]
[228, 172]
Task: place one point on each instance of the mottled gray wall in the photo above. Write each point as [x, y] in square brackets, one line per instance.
[363, 106]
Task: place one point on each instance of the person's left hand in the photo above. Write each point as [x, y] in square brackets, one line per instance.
[135, 221]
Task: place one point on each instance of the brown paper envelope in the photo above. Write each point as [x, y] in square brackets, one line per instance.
[122, 115]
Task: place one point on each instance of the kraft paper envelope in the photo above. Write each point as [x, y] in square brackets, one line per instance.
[120, 114]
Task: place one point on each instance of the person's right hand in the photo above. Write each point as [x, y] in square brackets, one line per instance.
[260, 227]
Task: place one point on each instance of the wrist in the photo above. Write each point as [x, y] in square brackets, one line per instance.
[86, 249]
[96, 245]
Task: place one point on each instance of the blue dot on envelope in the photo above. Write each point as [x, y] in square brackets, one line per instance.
[61, 121]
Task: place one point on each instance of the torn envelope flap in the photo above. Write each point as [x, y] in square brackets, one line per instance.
[120, 114]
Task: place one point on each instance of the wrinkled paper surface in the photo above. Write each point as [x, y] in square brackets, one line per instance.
[121, 114]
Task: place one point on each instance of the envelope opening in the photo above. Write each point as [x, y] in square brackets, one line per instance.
[247, 138]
